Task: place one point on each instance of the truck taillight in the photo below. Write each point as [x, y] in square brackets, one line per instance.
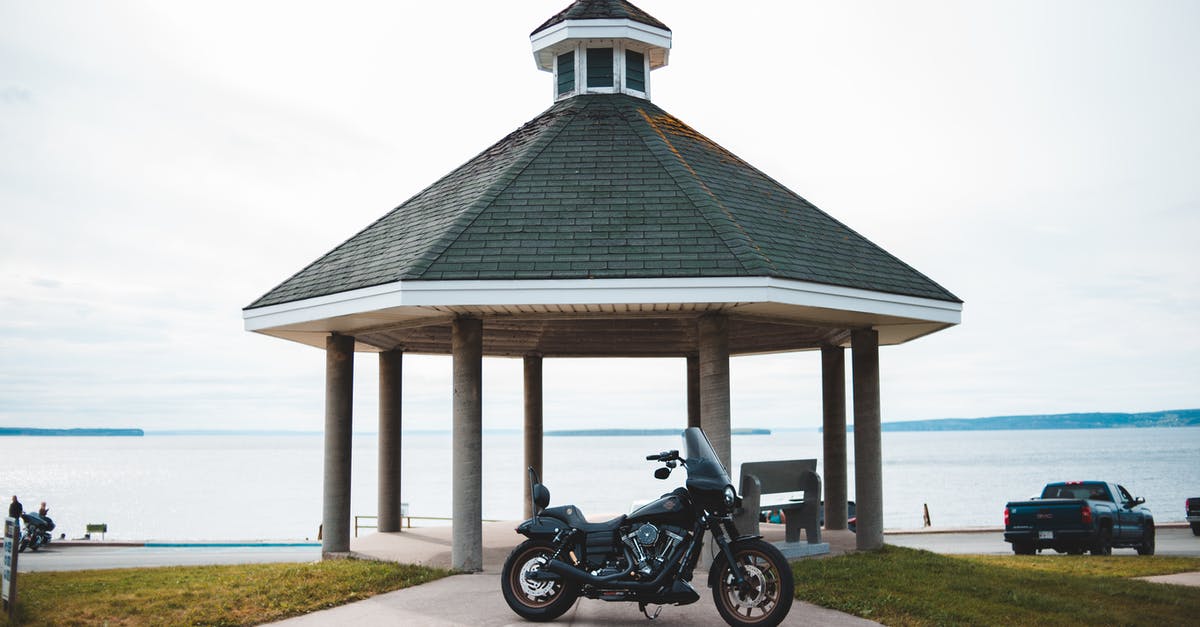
[1005, 516]
[1086, 513]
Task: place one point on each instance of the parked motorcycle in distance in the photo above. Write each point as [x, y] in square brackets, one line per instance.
[648, 556]
[37, 532]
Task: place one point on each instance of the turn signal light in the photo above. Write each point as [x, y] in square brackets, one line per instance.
[1086, 513]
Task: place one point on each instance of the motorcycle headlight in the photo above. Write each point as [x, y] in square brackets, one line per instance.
[730, 496]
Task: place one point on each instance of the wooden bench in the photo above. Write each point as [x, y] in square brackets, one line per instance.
[767, 486]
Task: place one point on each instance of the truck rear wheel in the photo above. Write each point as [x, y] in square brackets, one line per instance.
[1023, 548]
[1103, 543]
[1196, 528]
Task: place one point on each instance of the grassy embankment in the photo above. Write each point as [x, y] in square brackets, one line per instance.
[205, 595]
[899, 586]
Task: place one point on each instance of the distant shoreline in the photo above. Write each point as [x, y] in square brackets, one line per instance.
[628, 432]
[30, 431]
[1095, 420]
[1035, 422]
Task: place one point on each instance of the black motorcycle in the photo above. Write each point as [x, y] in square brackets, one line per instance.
[37, 532]
[648, 556]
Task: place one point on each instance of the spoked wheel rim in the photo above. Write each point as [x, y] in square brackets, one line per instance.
[534, 594]
[758, 599]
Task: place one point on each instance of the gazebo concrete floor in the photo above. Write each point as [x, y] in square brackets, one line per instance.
[476, 599]
[430, 546]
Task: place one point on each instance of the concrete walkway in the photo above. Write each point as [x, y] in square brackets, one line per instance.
[1178, 579]
[476, 600]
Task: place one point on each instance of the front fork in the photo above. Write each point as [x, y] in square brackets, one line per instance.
[723, 532]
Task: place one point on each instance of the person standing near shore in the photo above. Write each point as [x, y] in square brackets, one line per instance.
[16, 509]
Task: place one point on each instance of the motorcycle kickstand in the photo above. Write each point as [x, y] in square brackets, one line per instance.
[657, 610]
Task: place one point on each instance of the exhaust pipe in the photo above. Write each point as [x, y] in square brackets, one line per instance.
[580, 576]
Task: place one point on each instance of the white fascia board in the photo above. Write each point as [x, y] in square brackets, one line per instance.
[600, 291]
[598, 29]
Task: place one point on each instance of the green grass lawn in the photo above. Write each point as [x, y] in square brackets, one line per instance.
[205, 595]
[900, 586]
[895, 586]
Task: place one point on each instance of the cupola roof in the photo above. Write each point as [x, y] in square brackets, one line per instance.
[601, 10]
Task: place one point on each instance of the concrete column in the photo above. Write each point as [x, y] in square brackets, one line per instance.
[714, 383]
[693, 390]
[533, 424]
[868, 456]
[339, 397]
[466, 550]
[391, 366]
[833, 399]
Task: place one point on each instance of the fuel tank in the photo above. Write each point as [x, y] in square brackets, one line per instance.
[672, 509]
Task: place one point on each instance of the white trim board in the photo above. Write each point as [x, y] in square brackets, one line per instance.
[535, 292]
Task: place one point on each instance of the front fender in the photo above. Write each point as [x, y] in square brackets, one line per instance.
[712, 572]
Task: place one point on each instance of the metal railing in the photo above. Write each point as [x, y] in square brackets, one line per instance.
[405, 521]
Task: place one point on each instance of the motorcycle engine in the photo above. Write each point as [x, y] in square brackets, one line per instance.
[651, 545]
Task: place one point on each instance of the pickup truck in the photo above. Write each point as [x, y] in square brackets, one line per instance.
[1192, 507]
[1077, 516]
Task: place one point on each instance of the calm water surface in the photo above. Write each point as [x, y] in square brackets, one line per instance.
[269, 487]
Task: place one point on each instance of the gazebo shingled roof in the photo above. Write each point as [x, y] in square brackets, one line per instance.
[606, 187]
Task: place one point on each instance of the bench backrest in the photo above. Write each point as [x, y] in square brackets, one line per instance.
[787, 475]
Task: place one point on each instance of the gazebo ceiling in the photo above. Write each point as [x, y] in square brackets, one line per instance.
[621, 318]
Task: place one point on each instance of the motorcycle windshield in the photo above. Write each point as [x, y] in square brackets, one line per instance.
[705, 470]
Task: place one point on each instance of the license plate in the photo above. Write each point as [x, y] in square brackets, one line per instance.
[1045, 535]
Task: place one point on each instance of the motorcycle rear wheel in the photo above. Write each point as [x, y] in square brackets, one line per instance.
[768, 595]
[535, 600]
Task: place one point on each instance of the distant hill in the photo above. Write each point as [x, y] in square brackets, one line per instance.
[594, 432]
[1168, 418]
[70, 432]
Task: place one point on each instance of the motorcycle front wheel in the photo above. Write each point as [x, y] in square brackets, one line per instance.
[535, 600]
[766, 597]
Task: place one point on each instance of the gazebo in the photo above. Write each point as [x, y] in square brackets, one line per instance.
[604, 227]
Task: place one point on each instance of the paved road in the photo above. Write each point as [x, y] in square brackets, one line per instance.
[1168, 541]
[87, 558]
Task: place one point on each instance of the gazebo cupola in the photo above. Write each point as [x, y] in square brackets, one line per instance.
[601, 47]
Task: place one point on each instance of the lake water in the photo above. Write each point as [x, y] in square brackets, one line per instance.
[255, 487]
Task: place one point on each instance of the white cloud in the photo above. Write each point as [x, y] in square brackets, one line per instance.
[162, 165]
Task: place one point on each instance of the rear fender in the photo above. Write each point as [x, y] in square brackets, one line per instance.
[541, 528]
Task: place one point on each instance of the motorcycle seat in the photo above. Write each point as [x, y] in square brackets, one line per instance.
[573, 517]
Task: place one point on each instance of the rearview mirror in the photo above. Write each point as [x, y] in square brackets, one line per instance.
[662, 473]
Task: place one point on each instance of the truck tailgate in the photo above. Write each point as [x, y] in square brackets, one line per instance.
[1047, 514]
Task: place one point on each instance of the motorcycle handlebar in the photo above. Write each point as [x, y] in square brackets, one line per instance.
[664, 456]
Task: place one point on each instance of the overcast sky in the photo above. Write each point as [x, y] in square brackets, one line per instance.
[163, 164]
